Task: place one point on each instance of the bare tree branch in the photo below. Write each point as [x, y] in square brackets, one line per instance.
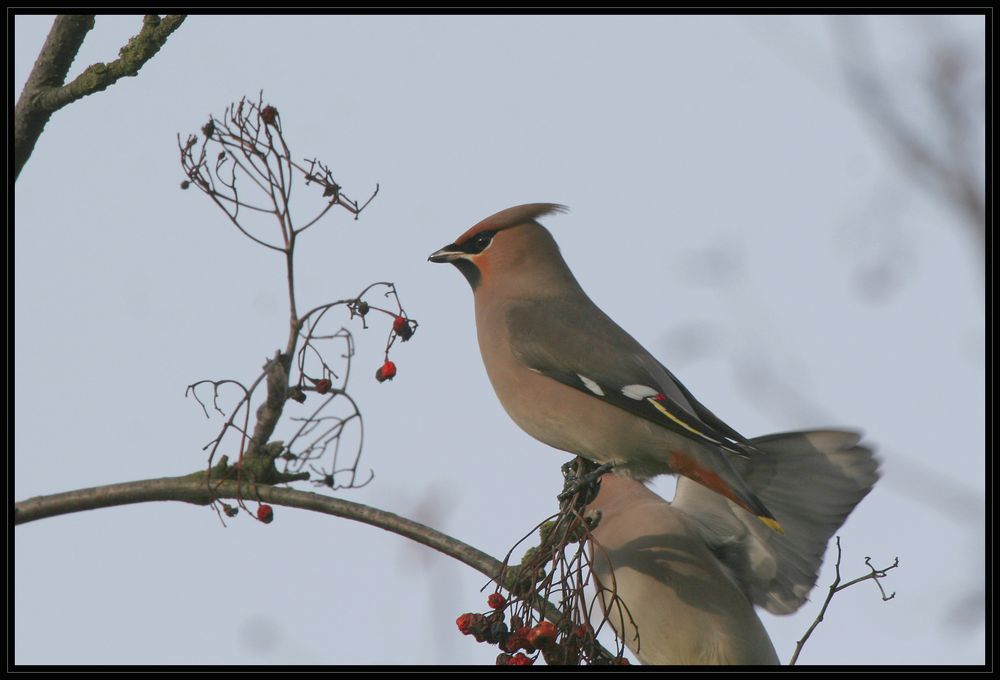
[45, 92]
[836, 587]
[198, 489]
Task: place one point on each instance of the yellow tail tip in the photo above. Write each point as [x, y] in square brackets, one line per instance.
[772, 523]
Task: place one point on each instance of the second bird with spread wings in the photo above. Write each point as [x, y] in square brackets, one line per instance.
[571, 377]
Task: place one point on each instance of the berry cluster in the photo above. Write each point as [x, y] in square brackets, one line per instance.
[403, 329]
[521, 643]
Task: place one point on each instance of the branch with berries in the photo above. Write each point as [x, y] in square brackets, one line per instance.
[557, 569]
[244, 165]
[193, 489]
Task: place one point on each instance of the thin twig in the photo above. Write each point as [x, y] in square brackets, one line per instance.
[836, 587]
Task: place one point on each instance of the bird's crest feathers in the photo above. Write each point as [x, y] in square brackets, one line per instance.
[511, 217]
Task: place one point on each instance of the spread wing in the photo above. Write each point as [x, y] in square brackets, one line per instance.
[608, 364]
[811, 481]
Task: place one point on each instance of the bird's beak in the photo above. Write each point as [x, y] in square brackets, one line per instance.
[449, 253]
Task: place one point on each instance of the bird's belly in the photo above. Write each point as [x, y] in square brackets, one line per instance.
[570, 420]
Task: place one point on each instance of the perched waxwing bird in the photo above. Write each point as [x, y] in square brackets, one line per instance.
[572, 378]
[686, 575]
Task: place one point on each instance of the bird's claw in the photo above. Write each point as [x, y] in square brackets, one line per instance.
[576, 484]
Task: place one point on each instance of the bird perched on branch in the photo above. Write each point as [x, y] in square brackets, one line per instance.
[689, 572]
[572, 378]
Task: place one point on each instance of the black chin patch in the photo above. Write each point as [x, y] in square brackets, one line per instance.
[469, 271]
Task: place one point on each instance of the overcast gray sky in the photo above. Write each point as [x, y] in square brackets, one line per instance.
[730, 208]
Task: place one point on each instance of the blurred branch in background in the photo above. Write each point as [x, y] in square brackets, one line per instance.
[762, 376]
[924, 101]
[766, 373]
[946, 155]
[949, 159]
[931, 121]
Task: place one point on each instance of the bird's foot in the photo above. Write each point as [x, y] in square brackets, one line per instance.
[574, 484]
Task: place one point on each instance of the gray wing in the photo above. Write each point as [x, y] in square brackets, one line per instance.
[811, 481]
[574, 342]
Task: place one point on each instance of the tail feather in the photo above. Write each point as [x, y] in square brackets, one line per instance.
[810, 481]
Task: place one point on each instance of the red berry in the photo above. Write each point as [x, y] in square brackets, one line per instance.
[520, 659]
[386, 371]
[542, 634]
[268, 114]
[323, 386]
[265, 513]
[516, 641]
[401, 326]
[473, 624]
[496, 601]
[464, 623]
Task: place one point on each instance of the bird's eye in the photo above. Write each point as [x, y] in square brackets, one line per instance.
[480, 241]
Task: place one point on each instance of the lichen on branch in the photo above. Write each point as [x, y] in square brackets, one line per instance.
[46, 90]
